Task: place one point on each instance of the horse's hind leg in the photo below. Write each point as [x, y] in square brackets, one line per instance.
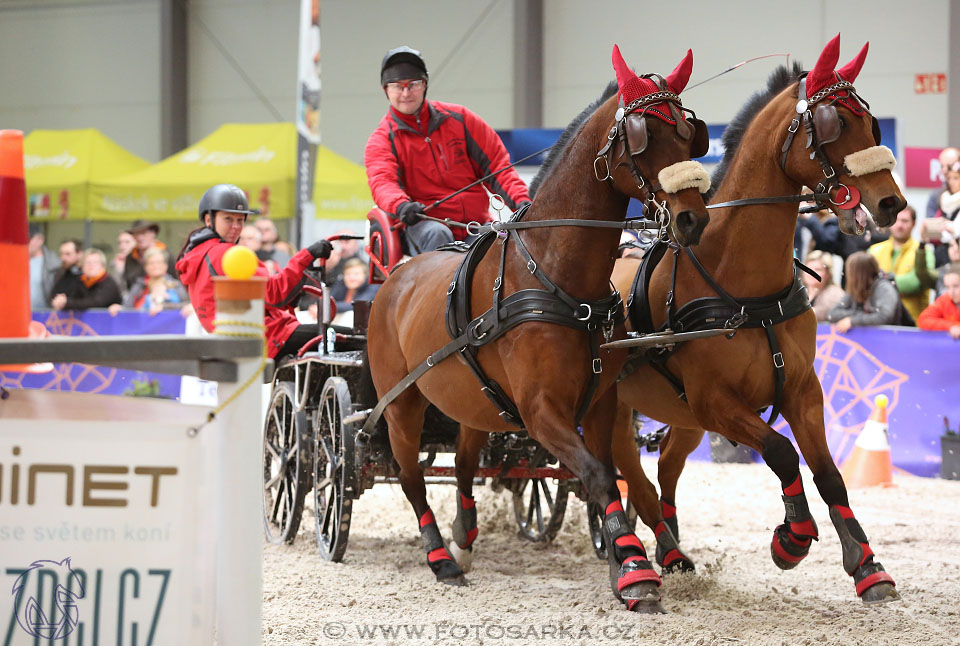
[405, 423]
[643, 494]
[632, 577]
[804, 412]
[675, 447]
[469, 445]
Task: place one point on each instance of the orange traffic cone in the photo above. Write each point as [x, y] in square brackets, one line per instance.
[869, 464]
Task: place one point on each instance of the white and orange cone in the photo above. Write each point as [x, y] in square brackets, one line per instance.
[869, 464]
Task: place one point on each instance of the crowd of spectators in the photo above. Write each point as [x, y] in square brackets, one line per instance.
[140, 275]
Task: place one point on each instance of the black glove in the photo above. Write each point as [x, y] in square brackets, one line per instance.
[320, 249]
[410, 212]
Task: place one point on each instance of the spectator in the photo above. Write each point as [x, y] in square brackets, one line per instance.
[948, 157]
[269, 237]
[953, 253]
[423, 151]
[67, 278]
[43, 269]
[943, 227]
[251, 238]
[944, 313]
[157, 290]
[145, 234]
[96, 288]
[910, 262]
[353, 287]
[126, 243]
[870, 298]
[824, 295]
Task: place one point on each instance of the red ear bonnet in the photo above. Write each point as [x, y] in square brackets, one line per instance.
[677, 80]
[822, 73]
[632, 87]
[851, 70]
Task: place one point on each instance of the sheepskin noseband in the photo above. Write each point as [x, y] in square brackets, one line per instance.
[685, 174]
[870, 160]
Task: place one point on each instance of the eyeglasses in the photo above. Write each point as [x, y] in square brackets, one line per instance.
[400, 86]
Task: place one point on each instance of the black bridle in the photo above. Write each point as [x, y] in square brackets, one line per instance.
[822, 126]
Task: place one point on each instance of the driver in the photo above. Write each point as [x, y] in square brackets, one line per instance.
[423, 151]
[223, 212]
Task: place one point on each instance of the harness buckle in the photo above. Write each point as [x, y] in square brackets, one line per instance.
[452, 287]
[597, 366]
[596, 171]
[477, 327]
[794, 126]
[430, 361]
[531, 266]
[778, 360]
[832, 174]
[498, 282]
[589, 312]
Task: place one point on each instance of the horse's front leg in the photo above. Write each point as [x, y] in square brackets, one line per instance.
[632, 577]
[469, 444]
[803, 409]
[643, 494]
[676, 446]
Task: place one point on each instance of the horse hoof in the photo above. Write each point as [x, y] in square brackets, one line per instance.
[880, 593]
[649, 607]
[680, 566]
[456, 581]
[779, 562]
[463, 556]
[645, 591]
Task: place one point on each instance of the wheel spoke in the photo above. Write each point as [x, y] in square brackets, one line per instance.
[536, 498]
[274, 450]
[546, 493]
[268, 485]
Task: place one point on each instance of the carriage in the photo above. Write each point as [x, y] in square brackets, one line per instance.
[317, 405]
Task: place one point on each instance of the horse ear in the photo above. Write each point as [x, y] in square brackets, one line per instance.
[851, 70]
[624, 74]
[822, 73]
[677, 80]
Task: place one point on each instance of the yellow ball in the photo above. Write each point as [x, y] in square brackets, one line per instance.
[239, 262]
[881, 401]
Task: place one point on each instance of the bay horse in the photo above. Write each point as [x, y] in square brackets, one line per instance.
[747, 253]
[546, 373]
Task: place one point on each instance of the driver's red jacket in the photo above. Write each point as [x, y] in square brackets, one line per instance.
[203, 261]
[429, 155]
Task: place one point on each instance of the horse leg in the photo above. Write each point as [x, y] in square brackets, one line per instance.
[675, 447]
[405, 423]
[469, 445]
[643, 494]
[733, 419]
[805, 415]
[632, 577]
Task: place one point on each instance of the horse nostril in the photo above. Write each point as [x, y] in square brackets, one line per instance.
[686, 221]
[892, 204]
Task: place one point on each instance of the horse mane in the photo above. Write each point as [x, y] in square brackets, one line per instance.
[780, 79]
[556, 152]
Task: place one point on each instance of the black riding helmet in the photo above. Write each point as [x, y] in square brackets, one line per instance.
[402, 63]
[225, 197]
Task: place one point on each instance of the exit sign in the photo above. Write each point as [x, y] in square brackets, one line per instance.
[930, 84]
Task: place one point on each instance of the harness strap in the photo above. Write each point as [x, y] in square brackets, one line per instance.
[748, 201]
[779, 374]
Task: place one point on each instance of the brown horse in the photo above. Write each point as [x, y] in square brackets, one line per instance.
[748, 251]
[544, 368]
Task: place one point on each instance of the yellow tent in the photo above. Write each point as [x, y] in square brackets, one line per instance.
[60, 165]
[259, 158]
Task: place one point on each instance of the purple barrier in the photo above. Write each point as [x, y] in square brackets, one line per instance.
[77, 377]
[918, 371]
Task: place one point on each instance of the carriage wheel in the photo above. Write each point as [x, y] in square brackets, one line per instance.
[595, 522]
[539, 505]
[333, 468]
[286, 470]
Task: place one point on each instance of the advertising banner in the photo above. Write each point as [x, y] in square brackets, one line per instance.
[922, 167]
[918, 372]
[308, 111]
[106, 530]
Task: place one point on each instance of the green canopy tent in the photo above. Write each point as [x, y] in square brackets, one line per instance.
[259, 158]
[61, 165]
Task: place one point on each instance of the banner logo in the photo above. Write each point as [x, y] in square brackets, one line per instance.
[64, 618]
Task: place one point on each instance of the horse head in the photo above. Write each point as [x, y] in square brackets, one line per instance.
[837, 144]
[648, 146]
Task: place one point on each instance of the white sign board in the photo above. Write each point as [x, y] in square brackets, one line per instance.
[105, 531]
